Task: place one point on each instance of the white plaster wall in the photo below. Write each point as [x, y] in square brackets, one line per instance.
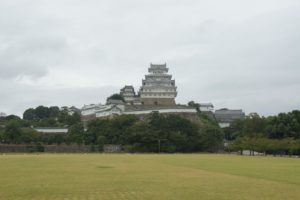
[161, 111]
[51, 130]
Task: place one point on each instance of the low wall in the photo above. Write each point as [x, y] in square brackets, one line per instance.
[25, 148]
[67, 148]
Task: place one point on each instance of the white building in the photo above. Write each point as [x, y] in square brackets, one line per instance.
[51, 130]
[226, 116]
[71, 110]
[129, 94]
[2, 114]
[99, 110]
[110, 110]
[158, 88]
[148, 110]
[206, 107]
[90, 109]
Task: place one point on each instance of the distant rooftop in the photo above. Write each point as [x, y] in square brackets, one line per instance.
[158, 65]
[158, 68]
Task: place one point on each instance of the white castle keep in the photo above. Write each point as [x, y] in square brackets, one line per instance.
[157, 88]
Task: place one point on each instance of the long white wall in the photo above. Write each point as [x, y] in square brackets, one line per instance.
[141, 112]
[51, 130]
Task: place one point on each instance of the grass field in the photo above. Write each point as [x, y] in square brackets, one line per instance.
[125, 176]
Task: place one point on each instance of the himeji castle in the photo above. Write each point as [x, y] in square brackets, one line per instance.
[157, 94]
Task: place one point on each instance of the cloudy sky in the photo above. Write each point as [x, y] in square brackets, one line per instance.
[233, 53]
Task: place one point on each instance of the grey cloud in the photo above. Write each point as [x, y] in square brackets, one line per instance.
[253, 65]
[15, 97]
[237, 55]
[30, 56]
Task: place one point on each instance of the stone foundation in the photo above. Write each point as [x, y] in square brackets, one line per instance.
[158, 101]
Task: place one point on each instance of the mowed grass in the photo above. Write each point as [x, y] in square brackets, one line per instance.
[149, 176]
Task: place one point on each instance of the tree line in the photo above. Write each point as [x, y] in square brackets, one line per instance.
[169, 133]
[52, 116]
[14, 130]
[278, 134]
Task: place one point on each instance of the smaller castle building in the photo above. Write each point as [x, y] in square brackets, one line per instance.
[129, 95]
[226, 116]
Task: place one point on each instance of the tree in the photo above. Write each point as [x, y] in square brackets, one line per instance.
[95, 128]
[195, 105]
[54, 111]
[12, 117]
[72, 119]
[115, 97]
[76, 133]
[30, 114]
[29, 135]
[12, 132]
[42, 112]
[211, 139]
[101, 140]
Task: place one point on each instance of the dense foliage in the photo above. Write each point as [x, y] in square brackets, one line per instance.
[275, 134]
[49, 117]
[165, 133]
[115, 97]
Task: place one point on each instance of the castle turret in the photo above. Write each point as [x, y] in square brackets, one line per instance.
[158, 88]
[128, 93]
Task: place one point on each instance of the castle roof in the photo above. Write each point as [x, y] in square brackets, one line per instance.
[158, 68]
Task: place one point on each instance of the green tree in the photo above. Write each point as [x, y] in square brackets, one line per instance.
[115, 97]
[54, 111]
[95, 128]
[30, 114]
[72, 119]
[76, 133]
[211, 139]
[195, 105]
[12, 132]
[42, 112]
[101, 141]
[29, 135]
[12, 117]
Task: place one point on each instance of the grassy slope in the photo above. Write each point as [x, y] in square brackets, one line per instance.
[96, 176]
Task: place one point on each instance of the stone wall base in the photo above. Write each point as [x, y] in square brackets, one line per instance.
[158, 101]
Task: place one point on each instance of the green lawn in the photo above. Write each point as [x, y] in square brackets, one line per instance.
[128, 176]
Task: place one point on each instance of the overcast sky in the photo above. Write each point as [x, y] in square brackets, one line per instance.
[233, 53]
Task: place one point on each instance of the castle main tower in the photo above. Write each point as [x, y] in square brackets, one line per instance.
[158, 88]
